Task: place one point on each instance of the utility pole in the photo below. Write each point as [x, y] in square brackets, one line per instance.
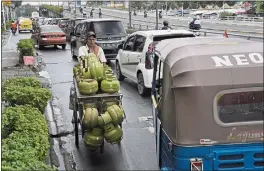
[75, 10]
[129, 9]
[182, 9]
[4, 17]
[157, 16]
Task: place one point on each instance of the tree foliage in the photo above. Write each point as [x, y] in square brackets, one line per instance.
[260, 6]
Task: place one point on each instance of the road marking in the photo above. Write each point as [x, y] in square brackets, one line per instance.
[9, 38]
[151, 129]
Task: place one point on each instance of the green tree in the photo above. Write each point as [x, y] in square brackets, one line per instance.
[17, 3]
[259, 7]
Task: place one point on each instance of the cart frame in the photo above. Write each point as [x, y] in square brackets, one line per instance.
[78, 107]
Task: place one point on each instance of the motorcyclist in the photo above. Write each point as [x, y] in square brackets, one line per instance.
[166, 25]
[195, 24]
[145, 14]
[135, 12]
[13, 25]
[100, 13]
[91, 13]
[160, 14]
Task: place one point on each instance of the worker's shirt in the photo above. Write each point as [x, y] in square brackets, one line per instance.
[84, 50]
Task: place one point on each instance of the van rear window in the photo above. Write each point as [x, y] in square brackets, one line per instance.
[242, 106]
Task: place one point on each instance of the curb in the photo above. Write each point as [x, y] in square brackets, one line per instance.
[57, 156]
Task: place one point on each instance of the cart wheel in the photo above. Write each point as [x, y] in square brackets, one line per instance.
[76, 126]
[102, 148]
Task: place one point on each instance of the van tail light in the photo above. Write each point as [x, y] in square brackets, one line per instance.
[148, 58]
[196, 164]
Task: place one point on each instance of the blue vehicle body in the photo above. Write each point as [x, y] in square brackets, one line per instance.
[231, 157]
[189, 107]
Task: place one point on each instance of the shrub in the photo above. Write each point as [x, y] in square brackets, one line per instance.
[26, 48]
[225, 14]
[36, 97]
[22, 81]
[24, 139]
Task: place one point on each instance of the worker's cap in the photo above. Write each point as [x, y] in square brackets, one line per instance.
[90, 33]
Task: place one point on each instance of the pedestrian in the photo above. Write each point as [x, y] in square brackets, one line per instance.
[166, 25]
[92, 47]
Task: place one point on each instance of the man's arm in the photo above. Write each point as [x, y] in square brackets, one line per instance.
[81, 51]
[102, 56]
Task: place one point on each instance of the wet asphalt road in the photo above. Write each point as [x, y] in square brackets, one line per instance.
[137, 150]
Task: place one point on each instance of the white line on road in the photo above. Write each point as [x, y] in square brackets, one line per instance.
[9, 39]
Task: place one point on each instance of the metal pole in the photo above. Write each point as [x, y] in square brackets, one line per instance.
[4, 17]
[75, 10]
[157, 17]
[182, 9]
[129, 9]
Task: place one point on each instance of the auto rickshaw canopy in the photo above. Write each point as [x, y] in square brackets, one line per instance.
[199, 73]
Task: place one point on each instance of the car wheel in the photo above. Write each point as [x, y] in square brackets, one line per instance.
[63, 46]
[142, 90]
[72, 53]
[119, 74]
[40, 46]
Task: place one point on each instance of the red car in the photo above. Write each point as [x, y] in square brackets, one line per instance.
[50, 35]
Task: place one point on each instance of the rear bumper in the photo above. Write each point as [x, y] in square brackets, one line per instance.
[25, 29]
[52, 42]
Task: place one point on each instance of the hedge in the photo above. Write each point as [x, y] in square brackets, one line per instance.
[25, 48]
[25, 139]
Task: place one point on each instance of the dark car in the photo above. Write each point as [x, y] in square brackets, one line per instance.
[49, 35]
[109, 32]
[70, 27]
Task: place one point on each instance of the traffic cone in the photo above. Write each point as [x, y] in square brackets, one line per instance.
[225, 34]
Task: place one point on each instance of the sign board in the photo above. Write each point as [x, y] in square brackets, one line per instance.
[7, 2]
[28, 60]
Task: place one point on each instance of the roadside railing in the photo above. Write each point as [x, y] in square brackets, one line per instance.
[242, 18]
[152, 26]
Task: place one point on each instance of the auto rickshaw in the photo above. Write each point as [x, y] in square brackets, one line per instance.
[207, 103]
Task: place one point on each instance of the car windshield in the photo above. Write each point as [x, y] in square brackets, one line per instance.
[48, 29]
[108, 28]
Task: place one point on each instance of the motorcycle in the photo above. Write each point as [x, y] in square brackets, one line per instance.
[145, 15]
[160, 16]
[14, 31]
[195, 28]
[91, 14]
[100, 15]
